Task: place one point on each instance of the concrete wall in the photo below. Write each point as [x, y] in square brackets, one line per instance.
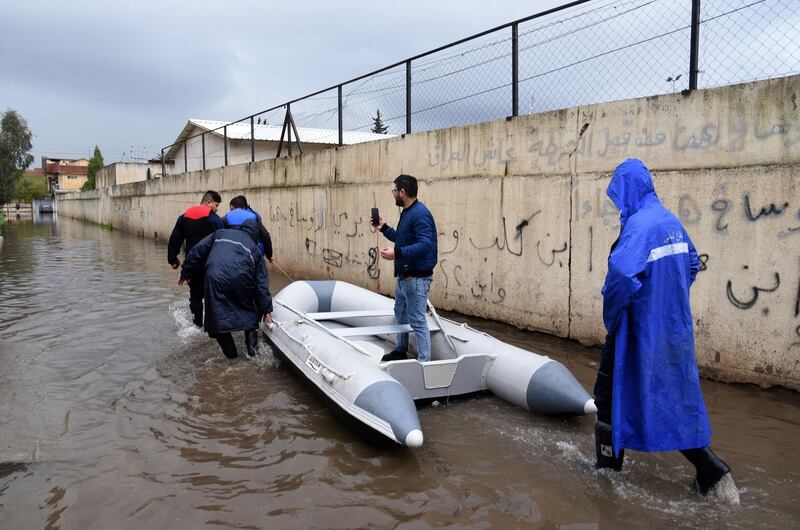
[524, 223]
[17, 211]
[126, 172]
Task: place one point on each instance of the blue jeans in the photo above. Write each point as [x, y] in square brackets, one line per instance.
[410, 302]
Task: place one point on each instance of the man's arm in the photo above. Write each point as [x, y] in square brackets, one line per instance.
[263, 298]
[626, 262]
[176, 240]
[387, 231]
[216, 221]
[694, 262]
[265, 238]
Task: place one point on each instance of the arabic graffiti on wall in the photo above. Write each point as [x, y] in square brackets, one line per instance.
[543, 147]
[757, 227]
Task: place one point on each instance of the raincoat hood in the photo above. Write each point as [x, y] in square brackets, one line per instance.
[249, 227]
[630, 188]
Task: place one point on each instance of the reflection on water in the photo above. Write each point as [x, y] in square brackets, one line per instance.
[115, 412]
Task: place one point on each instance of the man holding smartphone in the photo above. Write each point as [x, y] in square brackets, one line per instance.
[414, 255]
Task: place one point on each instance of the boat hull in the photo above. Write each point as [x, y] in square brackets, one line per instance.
[335, 335]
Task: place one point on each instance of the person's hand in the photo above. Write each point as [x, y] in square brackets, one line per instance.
[176, 265]
[381, 222]
[388, 253]
[267, 318]
[183, 280]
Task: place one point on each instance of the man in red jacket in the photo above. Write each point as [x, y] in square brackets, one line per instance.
[193, 225]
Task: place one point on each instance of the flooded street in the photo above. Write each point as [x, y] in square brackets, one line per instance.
[115, 412]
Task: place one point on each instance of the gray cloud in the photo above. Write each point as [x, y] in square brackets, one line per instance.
[129, 74]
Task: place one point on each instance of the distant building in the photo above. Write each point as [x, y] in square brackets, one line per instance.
[127, 172]
[65, 174]
[267, 138]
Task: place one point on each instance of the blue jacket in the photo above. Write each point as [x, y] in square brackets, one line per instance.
[415, 242]
[237, 216]
[657, 403]
[236, 292]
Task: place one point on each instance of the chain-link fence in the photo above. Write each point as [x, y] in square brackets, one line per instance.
[583, 52]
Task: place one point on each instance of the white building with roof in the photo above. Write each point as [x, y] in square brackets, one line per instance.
[267, 138]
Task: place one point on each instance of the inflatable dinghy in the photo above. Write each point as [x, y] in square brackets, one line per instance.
[335, 335]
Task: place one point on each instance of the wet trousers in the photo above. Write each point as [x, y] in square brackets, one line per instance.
[604, 386]
[228, 346]
[196, 290]
[410, 303]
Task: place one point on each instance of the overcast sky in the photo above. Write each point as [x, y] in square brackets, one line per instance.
[126, 75]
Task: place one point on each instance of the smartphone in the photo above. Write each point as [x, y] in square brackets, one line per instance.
[376, 218]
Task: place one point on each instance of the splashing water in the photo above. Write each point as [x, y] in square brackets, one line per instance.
[725, 492]
[265, 357]
[664, 489]
[179, 311]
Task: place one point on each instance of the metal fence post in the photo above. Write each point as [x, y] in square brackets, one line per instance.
[515, 69]
[289, 127]
[225, 143]
[694, 48]
[203, 143]
[252, 140]
[341, 125]
[163, 165]
[185, 157]
[408, 97]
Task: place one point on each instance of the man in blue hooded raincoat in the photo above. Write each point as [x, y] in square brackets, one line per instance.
[237, 295]
[648, 390]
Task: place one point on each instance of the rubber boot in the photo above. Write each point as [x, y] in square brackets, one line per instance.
[710, 468]
[604, 448]
[251, 341]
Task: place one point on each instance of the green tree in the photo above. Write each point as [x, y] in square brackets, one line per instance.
[377, 124]
[95, 165]
[15, 157]
[31, 186]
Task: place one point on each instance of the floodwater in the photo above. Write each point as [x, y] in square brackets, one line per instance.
[116, 413]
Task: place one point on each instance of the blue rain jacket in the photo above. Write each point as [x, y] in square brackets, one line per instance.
[237, 216]
[657, 403]
[236, 291]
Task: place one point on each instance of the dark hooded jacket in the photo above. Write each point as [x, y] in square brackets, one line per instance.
[657, 403]
[192, 225]
[236, 291]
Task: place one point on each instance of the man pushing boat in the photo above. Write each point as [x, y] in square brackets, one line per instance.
[236, 292]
